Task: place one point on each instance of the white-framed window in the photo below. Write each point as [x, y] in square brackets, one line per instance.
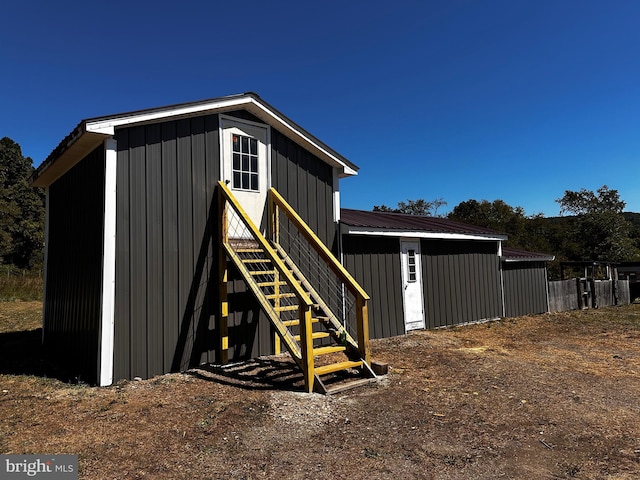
[245, 163]
[411, 265]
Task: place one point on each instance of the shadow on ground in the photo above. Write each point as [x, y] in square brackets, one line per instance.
[263, 373]
[21, 353]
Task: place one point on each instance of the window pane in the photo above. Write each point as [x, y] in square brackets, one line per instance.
[236, 180]
[254, 164]
[245, 144]
[236, 143]
[253, 143]
[245, 181]
[254, 182]
[236, 161]
[245, 163]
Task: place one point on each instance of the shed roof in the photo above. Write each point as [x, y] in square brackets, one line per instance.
[403, 225]
[516, 255]
[91, 132]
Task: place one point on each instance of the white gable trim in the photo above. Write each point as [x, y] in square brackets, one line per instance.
[91, 133]
[107, 126]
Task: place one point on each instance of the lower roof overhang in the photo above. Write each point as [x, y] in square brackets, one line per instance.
[383, 232]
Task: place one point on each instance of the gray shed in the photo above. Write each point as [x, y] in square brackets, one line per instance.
[132, 257]
[525, 282]
[422, 272]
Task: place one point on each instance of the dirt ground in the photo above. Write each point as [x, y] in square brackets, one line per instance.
[549, 396]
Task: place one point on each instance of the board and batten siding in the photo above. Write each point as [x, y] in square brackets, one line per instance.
[461, 281]
[166, 251]
[374, 262]
[525, 288]
[306, 182]
[165, 257]
[74, 266]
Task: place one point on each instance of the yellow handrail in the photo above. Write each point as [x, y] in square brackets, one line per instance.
[304, 301]
[362, 299]
[318, 246]
[271, 253]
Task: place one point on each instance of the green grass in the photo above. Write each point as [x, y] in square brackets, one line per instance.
[16, 284]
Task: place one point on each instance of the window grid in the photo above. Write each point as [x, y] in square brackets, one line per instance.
[411, 264]
[245, 163]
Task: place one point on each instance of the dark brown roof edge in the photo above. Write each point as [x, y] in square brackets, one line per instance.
[403, 222]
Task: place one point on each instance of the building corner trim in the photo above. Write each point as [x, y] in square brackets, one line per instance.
[107, 314]
[336, 195]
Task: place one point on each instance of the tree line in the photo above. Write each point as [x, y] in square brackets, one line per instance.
[591, 227]
[21, 210]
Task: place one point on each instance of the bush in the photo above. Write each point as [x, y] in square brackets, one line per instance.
[17, 284]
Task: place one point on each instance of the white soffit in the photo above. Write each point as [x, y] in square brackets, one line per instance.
[382, 232]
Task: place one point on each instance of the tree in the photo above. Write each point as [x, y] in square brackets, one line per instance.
[414, 207]
[496, 215]
[528, 232]
[601, 232]
[21, 209]
[587, 202]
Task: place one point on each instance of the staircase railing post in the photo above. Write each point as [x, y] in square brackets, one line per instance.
[306, 343]
[223, 312]
[274, 228]
[362, 317]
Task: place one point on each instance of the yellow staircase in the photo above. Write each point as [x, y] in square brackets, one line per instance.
[316, 338]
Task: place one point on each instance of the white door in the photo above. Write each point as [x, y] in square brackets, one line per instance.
[412, 285]
[245, 166]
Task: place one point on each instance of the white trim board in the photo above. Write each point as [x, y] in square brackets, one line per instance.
[383, 232]
[336, 195]
[107, 314]
[250, 103]
[92, 132]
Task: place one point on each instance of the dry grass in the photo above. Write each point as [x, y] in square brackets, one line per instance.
[552, 396]
[20, 285]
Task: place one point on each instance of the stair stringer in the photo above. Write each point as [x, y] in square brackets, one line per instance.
[352, 345]
[283, 332]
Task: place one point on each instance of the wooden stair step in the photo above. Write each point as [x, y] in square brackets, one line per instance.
[287, 308]
[273, 296]
[336, 367]
[314, 335]
[328, 350]
[271, 284]
[293, 323]
[349, 385]
[263, 272]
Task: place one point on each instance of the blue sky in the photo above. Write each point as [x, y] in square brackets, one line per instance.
[455, 99]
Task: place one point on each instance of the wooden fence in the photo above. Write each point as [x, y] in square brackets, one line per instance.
[578, 293]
